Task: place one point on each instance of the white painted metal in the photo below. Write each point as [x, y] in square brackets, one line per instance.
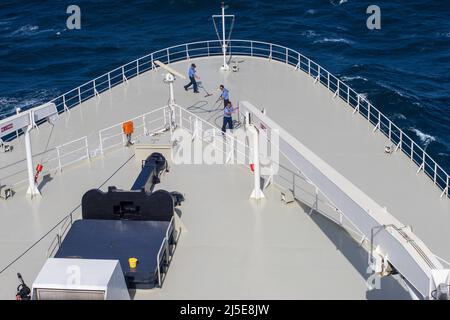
[32, 186]
[257, 193]
[402, 248]
[81, 279]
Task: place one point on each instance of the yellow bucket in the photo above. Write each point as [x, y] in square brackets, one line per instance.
[132, 262]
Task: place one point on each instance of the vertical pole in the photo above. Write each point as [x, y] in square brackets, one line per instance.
[435, 172]
[32, 187]
[348, 95]
[257, 192]
[224, 48]
[390, 131]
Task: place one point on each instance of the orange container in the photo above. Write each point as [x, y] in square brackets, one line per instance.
[128, 127]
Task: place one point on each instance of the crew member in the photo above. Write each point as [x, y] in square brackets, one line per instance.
[225, 95]
[192, 76]
[227, 117]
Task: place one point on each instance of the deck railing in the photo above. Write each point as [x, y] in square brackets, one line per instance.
[399, 139]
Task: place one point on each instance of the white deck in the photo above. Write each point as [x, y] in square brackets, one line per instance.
[284, 253]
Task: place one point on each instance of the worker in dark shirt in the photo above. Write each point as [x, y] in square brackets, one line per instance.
[227, 117]
[192, 76]
[225, 95]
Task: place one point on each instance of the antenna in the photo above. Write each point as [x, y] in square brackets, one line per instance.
[170, 79]
[169, 69]
[225, 66]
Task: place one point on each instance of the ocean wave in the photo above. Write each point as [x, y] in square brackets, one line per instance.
[443, 34]
[30, 30]
[398, 116]
[390, 88]
[424, 138]
[337, 3]
[9, 104]
[311, 11]
[334, 40]
[25, 30]
[309, 33]
[351, 78]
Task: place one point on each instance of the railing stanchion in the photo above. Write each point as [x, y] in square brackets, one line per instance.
[400, 142]
[435, 173]
[101, 142]
[137, 67]
[79, 95]
[309, 67]
[368, 112]
[109, 80]
[168, 56]
[348, 95]
[390, 131]
[446, 188]
[412, 150]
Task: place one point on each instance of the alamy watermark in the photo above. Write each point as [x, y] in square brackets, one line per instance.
[74, 20]
[237, 147]
[374, 20]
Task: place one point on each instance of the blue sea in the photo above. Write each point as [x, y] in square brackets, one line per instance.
[403, 68]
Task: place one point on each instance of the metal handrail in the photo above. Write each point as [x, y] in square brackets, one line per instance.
[273, 52]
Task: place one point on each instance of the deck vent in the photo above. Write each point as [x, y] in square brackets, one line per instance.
[6, 192]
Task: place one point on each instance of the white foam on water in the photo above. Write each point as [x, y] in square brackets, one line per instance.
[334, 40]
[399, 116]
[350, 78]
[338, 3]
[29, 30]
[309, 33]
[425, 138]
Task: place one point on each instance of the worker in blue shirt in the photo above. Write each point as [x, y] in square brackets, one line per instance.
[227, 117]
[192, 76]
[225, 95]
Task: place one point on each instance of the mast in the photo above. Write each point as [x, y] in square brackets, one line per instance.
[225, 66]
[222, 38]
